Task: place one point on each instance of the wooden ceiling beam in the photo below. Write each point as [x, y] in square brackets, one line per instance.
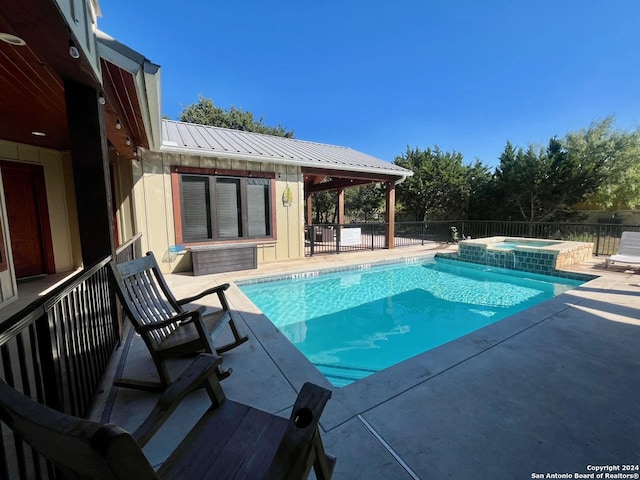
[335, 184]
[346, 174]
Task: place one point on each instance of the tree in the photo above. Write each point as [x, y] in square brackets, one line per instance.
[363, 201]
[324, 205]
[543, 185]
[615, 156]
[482, 194]
[439, 186]
[204, 112]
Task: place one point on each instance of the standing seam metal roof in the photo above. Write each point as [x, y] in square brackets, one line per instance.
[182, 137]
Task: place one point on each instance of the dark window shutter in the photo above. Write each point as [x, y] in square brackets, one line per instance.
[227, 208]
[196, 219]
[258, 207]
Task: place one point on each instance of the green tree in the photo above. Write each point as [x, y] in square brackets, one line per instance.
[614, 157]
[324, 206]
[439, 186]
[482, 194]
[542, 185]
[204, 112]
[364, 201]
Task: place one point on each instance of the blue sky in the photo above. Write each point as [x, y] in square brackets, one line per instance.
[378, 76]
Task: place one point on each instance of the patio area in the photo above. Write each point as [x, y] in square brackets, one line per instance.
[554, 389]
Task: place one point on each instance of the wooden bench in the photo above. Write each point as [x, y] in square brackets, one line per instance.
[167, 329]
[231, 440]
[207, 259]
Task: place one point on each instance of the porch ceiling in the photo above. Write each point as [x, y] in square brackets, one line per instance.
[320, 180]
[32, 81]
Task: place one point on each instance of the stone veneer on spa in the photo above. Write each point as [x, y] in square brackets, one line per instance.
[545, 260]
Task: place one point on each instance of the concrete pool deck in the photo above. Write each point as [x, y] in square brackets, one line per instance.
[554, 389]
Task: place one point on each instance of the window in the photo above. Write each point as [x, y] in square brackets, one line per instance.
[223, 207]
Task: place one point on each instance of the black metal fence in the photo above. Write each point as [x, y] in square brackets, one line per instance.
[335, 238]
[55, 351]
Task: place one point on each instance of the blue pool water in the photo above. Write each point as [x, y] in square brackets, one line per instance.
[510, 245]
[353, 323]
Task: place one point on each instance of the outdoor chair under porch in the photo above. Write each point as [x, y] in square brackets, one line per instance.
[168, 330]
[231, 439]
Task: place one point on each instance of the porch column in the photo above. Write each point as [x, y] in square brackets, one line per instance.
[390, 216]
[90, 165]
[309, 208]
[340, 206]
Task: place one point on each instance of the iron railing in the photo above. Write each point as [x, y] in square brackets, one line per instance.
[55, 351]
[335, 238]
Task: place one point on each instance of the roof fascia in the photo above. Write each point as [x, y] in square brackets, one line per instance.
[147, 80]
[167, 147]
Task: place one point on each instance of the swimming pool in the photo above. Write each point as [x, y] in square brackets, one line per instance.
[353, 323]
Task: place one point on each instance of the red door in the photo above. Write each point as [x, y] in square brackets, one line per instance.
[28, 218]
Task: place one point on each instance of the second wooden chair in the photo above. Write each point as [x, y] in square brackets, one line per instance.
[168, 330]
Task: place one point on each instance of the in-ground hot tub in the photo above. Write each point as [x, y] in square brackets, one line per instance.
[526, 254]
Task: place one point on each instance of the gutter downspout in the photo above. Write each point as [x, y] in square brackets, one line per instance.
[400, 180]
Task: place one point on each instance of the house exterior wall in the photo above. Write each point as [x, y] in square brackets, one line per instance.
[123, 195]
[61, 205]
[153, 207]
[58, 178]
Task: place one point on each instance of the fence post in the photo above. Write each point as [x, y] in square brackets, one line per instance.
[371, 227]
[312, 239]
[338, 238]
[598, 240]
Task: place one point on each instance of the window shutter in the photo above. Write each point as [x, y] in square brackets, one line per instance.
[196, 220]
[258, 207]
[228, 207]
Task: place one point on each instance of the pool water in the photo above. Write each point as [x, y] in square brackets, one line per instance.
[507, 245]
[353, 323]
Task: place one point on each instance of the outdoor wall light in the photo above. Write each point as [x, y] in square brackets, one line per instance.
[118, 124]
[101, 99]
[73, 51]
[128, 141]
[12, 39]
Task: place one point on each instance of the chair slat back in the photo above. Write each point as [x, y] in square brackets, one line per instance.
[80, 448]
[630, 244]
[146, 298]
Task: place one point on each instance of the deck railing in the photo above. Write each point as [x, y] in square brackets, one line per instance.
[336, 238]
[55, 351]
[130, 249]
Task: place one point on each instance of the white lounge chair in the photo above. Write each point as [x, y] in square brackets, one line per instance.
[628, 251]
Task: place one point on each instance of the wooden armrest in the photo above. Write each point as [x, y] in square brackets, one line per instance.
[218, 289]
[199, 374]
[187, 316]
[301, 434]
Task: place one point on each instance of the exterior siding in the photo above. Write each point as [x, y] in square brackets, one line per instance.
[153, 201]
[60, 197]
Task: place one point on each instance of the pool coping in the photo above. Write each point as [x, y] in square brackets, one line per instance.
[363, 395]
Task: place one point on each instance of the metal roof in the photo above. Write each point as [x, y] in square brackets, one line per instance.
[204, 140]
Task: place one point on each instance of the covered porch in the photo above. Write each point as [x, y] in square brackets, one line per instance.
[72, 116]
[324, 180]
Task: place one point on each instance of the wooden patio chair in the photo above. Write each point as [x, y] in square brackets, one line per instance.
[231, 440]
[168, 330]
